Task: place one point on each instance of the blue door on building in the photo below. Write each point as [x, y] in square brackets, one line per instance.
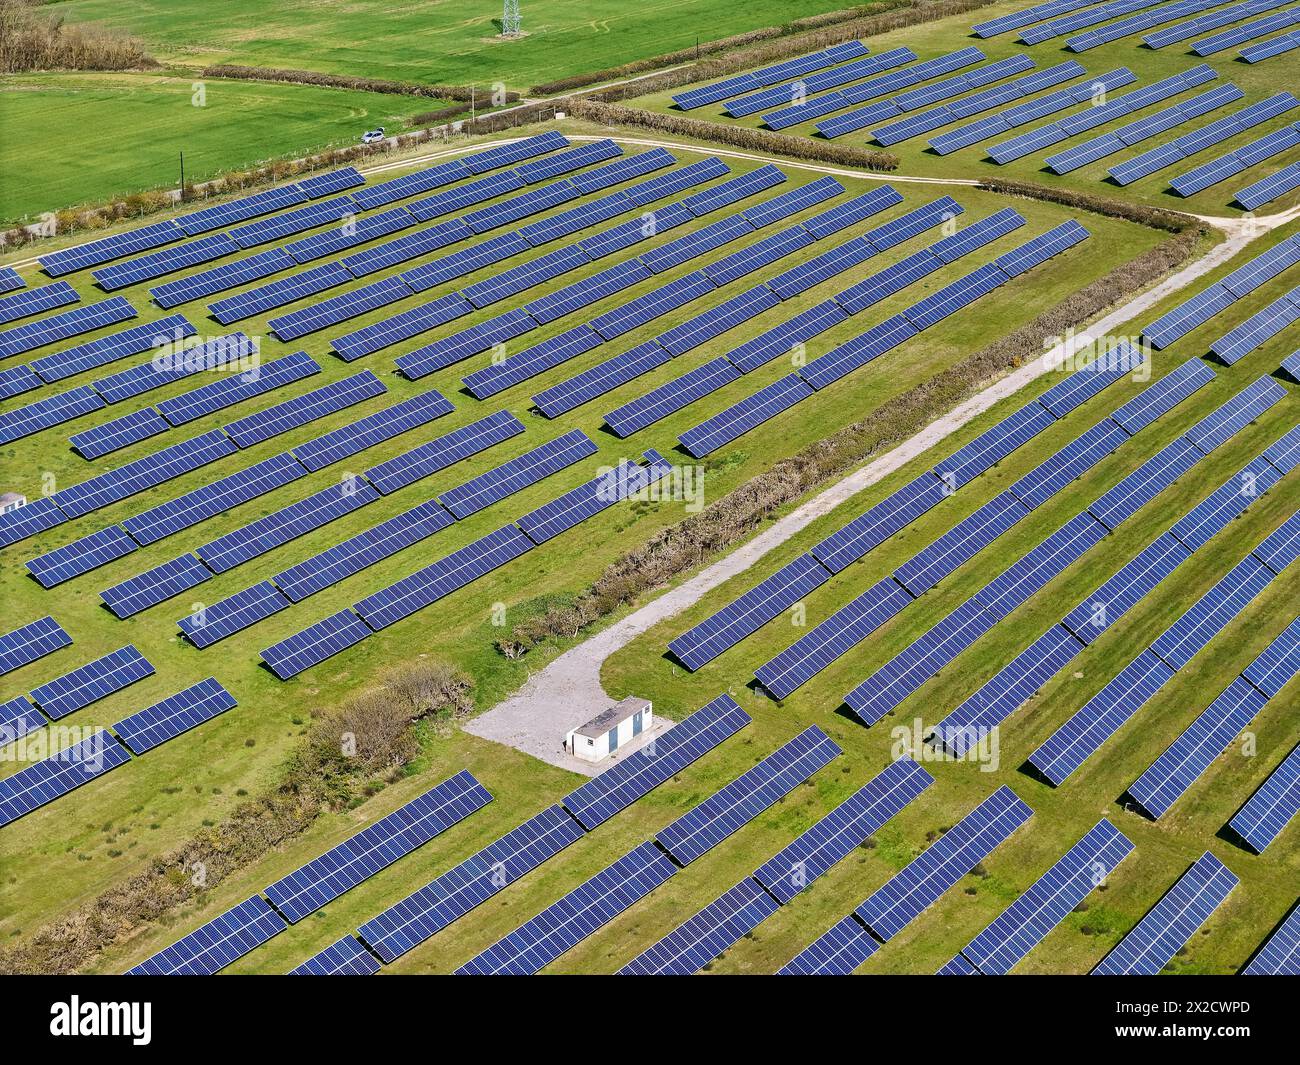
[636, 723]
[613, 740]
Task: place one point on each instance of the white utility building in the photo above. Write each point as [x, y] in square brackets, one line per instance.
[610, 730]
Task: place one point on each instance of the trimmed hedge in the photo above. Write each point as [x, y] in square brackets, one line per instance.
[342, 81]
[758, 140]
[1155, 217]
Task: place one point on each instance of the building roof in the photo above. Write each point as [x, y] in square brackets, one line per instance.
[607, 719]
[10, 497]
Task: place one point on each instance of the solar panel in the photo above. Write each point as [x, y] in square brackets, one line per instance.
[154, 725]
[702, 938]
[728, 809]
[16, 380]
[228, 391]
[857, 209]
[466, 261]
[640, 772]
[1163, 469]
[843, 830]
[1178, 644]
[323, 212]
[672, 396]
[61, 364]
[586, 291]
[1047, 902]
[10, 279]
[353, 232]
[733, 190]
[450, 350]
[452, 895]
[215, 621]
[993, 445]
[214, 498]
[55, 776]
[36, 300]
[517, 473]
[1091, 379]
[1268, 812]
[856, 353]
[959, 544]
[1152, 943]
[735, 421]
[411, 184]
[155, 586]
[211, 947]
[426, 586]
[1281, 547]
[601, 378]
[1071, 462]
[1258, 329]
[575, 219]
[347, 957]
[364, 549]
[876, 525]
[81, 556]
[18, 718]
[1280, 953]
[31, 335]
[951, 298]
[571, 919]
[234, 351]
[278, 293]
[119, 433]
[1280, 661]
[1130, 584]
[339, 308]
[94, 681]
[844, 629]
[402, 326]
[1270, 188]
[1213, 514]
[47, 413]
[406, 247]
[224, 214]
[314, 644]
[329, 399]
[708, 639]
[362, 855]
[761, 253]
[1158, 399]
[836, 952]
[22, 522]
[823, 267]
[107, 249]
[382, 425]
[1100, 718]
[166, 261]
[601, 492]
[437, 454]
[786, 337]
[1191, 754]
[29, 642]
[331, 181]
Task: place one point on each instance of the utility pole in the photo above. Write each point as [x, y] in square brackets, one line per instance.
[511, 21]
[182, 195]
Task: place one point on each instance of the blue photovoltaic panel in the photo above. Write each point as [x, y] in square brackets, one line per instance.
[845, 214]
[10, 279]
[329, 399]
[705, 641]
[1125, 499]
[166, 261]
[366, 548]
[945, 861]
[671, 396]
[323, 212]
[155, 586]
[1075, 742]
[374, 428]
[1191, 754]
[215, 621]
[147, 728]
[1074, 460]
[993, 445]
[466, 261]
[601, 378]
[526, 275]
[434, 177]
[836, 952]
[876, 341]
[725, 811]
[959, 544]
[35, 300]
[402, 326]
[214, 498]
[843, 830]
[1049, 900]
[340, 308]
[31, 335]
[957, 965]
[18, 379]
[55, 776]
[1233, 416]
[449, 350]
[587, 290]
[844, 629]
[30, 642]
[1213, 514]
[640, 772]
[452, 895]
[227, 391]
[314, 644]
[437, 454]
[1273, 669]
[91, 682]
[224, 214]
[1281, 548]
[1270, 188]
[220, 278]
[107, 249]
[749, 413]
[1280, 954]
[1154, 940]
[785, 338]
[288, 523]
[887, 517]
[81, 556]
[425, 586]
[22, 522]
[567, 922]
[47, 413]
[347, 957]
[18, 718]
[210, 948]
[1160, 398]
[1129, 586]
[1272, 807]
[143, 474]
[1178, 644]
[467, 195]
[119, 433]
[1090, 380]
[581, 503]
[278, 293]
[702, 938]
[408, 246]
[165, 332]
[518, 473]
[360, 856]
[352, 233]
[234, 351]
[651, 305]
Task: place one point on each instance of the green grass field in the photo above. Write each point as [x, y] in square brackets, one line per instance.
[131, 129]
[939, 38]
[442, 42]
[74, 849]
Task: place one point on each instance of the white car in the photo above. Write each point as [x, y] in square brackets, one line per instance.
[372, 135]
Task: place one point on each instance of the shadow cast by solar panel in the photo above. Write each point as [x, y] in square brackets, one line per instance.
[1131, 805]
[1028, 769]
[1268, 936]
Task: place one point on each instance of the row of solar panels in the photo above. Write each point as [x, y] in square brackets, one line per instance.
[763, 405]
[293, 897]
[209, 218]
[103, 750]
[770, 75]
[1270, 188]
[790, 94]
[1256, 53]
[907, 671]
[1235, 162]
[1027, 16]
[1078, 20]
[1224, 17]
[1250, 31]
[1002, 694]
[781, 339]
[354, 230]
[818, 648]
[1162, 16]
[1198, 310]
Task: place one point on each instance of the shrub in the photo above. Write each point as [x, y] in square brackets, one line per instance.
[343, 81]
[33, 40]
